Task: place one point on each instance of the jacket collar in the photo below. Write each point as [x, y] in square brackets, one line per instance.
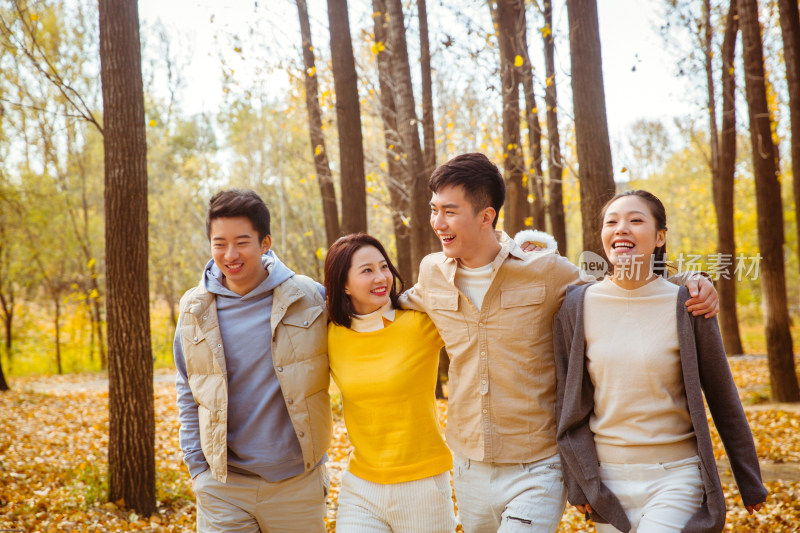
[508, 248]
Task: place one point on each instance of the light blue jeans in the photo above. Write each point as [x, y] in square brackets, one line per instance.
[509, 498]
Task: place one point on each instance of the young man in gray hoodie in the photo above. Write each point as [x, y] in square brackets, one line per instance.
[252, 380]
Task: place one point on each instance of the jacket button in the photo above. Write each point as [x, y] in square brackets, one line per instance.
[301, 434]
[195, 338]
[290, 402]
[280, 369]
[305, 322]
[205, 317]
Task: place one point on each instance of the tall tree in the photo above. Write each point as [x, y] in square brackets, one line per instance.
[555, 205]
[320, 154]
[506, 14]
[535, 176]
[783, 378]
[131, 447]
[428, 134]
[595, 171]
[348, 120]
[722, 184]
[407, 126]
[428, 129]
[7, 299]
[790, 30]
[398, 178]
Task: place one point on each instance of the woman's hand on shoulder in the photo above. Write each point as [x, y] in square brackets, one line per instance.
[587, 508]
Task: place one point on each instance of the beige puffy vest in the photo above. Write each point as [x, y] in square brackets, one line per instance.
[299, 356]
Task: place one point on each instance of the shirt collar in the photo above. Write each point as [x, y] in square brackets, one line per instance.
[373, 321]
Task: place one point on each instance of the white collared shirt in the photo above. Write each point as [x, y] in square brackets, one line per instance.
[373, 321]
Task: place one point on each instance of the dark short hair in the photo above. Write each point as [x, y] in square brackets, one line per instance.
[239, 203]
[481, 180]
[660, 216]
[337, 266]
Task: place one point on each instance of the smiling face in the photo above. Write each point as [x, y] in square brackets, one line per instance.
[369, 280]
[237, 250]
[630, 234]
[462, 231]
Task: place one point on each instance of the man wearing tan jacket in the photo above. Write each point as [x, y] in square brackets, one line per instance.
[494, 305]
[252, 381]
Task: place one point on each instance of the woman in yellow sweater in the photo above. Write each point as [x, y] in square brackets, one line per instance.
[384, 360]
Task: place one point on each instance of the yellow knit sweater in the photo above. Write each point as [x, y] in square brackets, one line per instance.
[387, 379]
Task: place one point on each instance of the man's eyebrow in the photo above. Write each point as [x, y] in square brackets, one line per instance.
[242, 236]
[450, 205]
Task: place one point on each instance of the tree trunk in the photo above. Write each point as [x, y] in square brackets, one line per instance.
[506, 14]
[57, 324]
[8, 317]
[535, 175]
[348, 121]
[783, 379]
[3, 383]
[329, 209]
[595, 171]
[790, 30]
[131, 456]
[398, 182]
[723, 192]
[97, 321]
[409, 134]
[428, 129]
[556, 203]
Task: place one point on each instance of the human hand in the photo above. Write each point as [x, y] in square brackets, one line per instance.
[753, 508]
[529, 246]
[704, 300]
[585, 508]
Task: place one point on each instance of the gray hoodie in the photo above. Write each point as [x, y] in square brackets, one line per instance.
[261, 438]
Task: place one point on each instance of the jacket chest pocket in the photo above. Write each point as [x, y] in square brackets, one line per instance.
[449, 319]
[196, 351]
[522, 312]
[306, 330]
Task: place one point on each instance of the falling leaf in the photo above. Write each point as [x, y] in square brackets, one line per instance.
[152, 123]
[518, 61]
[377, 48]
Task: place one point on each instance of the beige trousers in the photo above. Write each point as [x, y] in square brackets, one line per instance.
[420, 506]
[250, 504]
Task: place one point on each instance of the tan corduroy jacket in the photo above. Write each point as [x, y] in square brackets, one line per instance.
[299, 355]
[502, 382]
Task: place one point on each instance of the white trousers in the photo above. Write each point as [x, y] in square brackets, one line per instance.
[657, 498]
[250, 504]
[420, 506]
[509, 498]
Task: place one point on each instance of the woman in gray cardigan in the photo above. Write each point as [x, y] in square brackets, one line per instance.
[632, 367]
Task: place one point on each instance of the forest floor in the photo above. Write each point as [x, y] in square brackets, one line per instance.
[54, 445]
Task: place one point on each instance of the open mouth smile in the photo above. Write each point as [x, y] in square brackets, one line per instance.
[446, 238]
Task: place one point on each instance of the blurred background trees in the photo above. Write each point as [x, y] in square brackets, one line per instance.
[356, 106]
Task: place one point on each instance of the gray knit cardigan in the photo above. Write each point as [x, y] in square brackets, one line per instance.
[705, 370]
